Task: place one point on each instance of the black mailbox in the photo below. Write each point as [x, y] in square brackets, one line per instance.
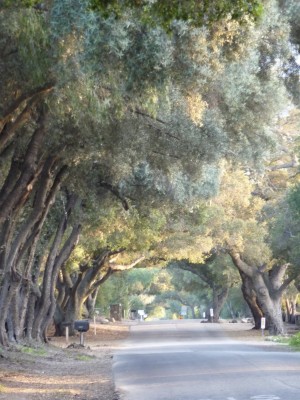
[82, 325]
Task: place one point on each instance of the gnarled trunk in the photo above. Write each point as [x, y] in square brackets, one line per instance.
[270, 301]
[90, 303]
[8, 290]
[85, 283]
[269, 287]
[250, 297]
[56, 258]
[220, 294]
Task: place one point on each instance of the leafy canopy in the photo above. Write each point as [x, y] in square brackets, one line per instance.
[198, 13]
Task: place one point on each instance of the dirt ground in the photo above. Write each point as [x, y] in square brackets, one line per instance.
[62, 371]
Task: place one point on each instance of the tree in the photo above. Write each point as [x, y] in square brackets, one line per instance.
[132, 288]
[191, 290]
[290, 9]
[197, 13]
[78, 288]
[245, 241]
[236, 306]
[217, 274]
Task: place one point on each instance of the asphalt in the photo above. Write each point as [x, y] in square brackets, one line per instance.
[187, 360]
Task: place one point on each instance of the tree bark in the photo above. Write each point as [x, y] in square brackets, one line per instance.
[26, 234]
[250, 297]
[220, 295]
[87, 281]
[90, 303]
[10, 285]
[9, 123]
[56, 257]
[269, 287]
[20, 185]
[60, 260]
[220, 289]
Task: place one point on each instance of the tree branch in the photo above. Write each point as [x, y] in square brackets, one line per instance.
[121, 267]
[144, 114]
[99, 282]
[292, 164]
[276, 274]
[240, 264]
[287, 282]
[115, 192]
[7, 114]
[166, 155]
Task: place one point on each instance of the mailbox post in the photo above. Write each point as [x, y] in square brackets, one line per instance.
[82, 326]
[263, 325]
[67, 325]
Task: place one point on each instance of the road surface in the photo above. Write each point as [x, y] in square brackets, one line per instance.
[187, 360]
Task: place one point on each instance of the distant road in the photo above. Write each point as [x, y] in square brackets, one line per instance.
[187, 360]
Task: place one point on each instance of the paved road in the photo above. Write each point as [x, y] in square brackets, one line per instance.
[192, 361]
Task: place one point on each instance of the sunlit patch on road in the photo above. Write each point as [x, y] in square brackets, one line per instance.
[258, 397]
[265, 397]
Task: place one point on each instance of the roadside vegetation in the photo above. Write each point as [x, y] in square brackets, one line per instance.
[294, 341]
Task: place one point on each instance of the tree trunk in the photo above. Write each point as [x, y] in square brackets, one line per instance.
[10, 328]
[73, 310]
[87, 281]
[56, 258]
[251, 299]
[33, 300]
[18, 186]
[269, 288]
[271, 305]
[15, 314]
[220, 295]
[90, 303]
[193, 312]
[9, 123]
[290, 309]
[8, 291]
[230, 309]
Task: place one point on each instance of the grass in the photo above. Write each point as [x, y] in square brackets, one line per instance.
[278, 339]
[294, 341]
[2, 388]
[84, 357]
[33, 351]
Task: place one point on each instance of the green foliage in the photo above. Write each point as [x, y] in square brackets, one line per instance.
[195, 12]
[131, 230]
[20, 3]
[26, 60]
[291, 9]
[284, 227]
[84, 357]
[160, 292]
[130, 288]
[235, 306]
[111, 293]
[294, 200]
[295, 341]
[158, 312]
[154, 115]
[33, 351]
[234, 218]
[185, 70]
[278, 339]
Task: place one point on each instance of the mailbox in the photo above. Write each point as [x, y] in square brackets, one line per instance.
[82, 325]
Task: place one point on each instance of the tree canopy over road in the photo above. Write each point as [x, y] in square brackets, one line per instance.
[143, 133]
